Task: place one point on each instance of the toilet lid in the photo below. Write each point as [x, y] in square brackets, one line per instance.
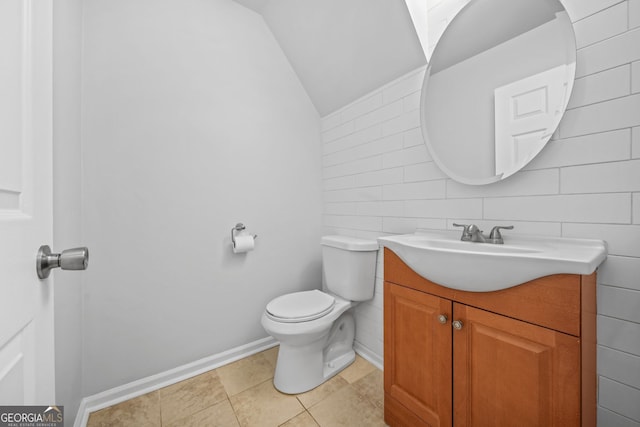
[300, 306]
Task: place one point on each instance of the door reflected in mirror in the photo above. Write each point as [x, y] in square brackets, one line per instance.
[496, 87]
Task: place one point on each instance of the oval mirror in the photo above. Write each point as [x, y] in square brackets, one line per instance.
[496, 87]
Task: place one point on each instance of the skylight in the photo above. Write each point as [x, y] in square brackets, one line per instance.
[430, 18]
[418, 11]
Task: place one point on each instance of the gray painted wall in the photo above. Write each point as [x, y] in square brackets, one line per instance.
[193, 120]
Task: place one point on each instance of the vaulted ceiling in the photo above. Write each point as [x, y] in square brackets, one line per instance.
[343, 49]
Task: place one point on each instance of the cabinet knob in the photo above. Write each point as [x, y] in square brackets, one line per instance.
[442, 318]
[457, 324]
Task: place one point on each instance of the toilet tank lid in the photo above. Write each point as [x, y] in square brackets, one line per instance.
[350, 243]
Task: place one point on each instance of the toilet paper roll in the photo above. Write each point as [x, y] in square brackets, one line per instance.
[244, 243]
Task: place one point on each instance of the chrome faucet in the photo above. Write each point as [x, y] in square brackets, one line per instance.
[471, 233]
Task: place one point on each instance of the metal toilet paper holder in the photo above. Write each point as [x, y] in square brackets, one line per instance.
[238, 228]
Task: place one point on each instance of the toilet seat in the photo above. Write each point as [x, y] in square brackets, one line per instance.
[300, 306]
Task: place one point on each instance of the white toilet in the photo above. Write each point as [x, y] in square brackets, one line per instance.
[314, 328]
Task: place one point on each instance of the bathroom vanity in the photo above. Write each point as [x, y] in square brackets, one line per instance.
[481, 331]
[524, 355]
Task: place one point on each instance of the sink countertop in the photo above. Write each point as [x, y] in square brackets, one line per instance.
[440, 256]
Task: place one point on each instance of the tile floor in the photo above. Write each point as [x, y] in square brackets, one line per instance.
[242, 394]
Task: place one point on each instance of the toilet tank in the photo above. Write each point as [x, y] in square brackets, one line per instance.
[349, 266]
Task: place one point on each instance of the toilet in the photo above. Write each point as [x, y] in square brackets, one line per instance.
[315, 328]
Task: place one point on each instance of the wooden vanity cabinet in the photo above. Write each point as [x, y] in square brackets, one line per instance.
[523, 356]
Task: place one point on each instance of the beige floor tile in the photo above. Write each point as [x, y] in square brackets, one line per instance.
[141, 411]
[347, 407]
[190, 396]
[303, 420]
[264, 406]
[372, 388]
[245, 373]
[218, 415]
[319, 393]
[358, 369]
[352, 398]
[271, 355]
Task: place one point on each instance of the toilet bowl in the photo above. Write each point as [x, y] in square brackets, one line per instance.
[302, 364]
[316, 329]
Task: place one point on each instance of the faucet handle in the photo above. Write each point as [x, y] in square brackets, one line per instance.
[495, 235]
[465, 231]
[466, 226]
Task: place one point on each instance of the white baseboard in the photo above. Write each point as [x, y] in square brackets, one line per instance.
[145, 385]
[367, 354]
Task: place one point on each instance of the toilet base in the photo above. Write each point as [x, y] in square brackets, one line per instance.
[302, 368]
[336, 365]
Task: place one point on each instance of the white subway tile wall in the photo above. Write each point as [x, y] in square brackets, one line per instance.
[634, 14]
[379, 179]
[608, 53]
[608, 23]
[602, 86]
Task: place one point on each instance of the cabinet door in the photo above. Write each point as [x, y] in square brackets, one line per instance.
[507, 372]
[417, 355]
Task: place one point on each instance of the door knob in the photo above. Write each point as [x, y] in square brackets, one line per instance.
[71, 259]
[457, 324]
[442, 318]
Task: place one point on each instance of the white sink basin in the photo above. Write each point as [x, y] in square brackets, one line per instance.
[443, 258]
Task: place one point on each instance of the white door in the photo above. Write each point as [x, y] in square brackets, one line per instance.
[527, 113]
[26, 303]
